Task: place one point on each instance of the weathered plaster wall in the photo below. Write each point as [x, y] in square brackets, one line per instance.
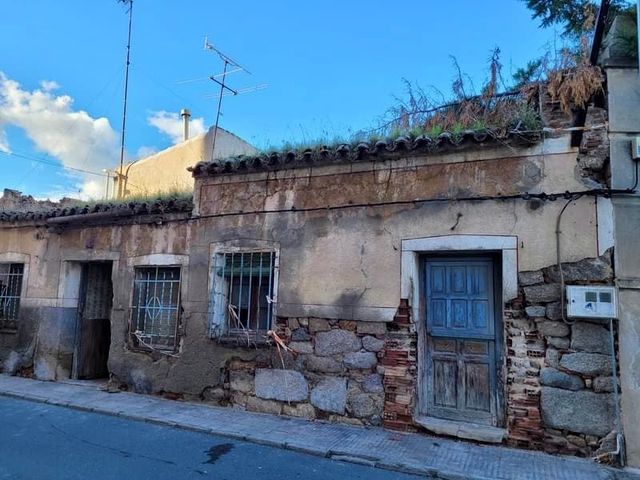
[353, 246]
[339, 270]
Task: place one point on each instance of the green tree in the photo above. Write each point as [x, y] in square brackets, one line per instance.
[573, 15]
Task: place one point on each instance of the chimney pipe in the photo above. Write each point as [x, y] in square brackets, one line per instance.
[185, 114]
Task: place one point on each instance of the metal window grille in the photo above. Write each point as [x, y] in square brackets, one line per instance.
[155, 311]
[10, 289]
[243, 295]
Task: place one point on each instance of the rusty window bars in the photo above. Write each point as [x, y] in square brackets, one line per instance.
[155, 311]
[10, 290]
[243, 291]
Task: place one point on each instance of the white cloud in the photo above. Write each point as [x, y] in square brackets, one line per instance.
[170, 124]
[146, 151]
[4, 142]
[49, 85]
[49, 120]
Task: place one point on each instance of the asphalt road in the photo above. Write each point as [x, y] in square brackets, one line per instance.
[40, 441]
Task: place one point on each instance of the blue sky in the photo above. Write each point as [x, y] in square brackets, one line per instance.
[332, 67]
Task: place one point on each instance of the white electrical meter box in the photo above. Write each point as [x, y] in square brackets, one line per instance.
[592, 302]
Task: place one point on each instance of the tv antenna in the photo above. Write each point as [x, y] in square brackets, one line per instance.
[230, 66]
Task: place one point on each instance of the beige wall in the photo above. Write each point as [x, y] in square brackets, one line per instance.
[166, 171]
[345, 263]
[342, 264]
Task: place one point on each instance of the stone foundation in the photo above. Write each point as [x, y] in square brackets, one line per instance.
[333, 374]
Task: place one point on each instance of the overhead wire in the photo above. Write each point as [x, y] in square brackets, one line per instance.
[53, 164]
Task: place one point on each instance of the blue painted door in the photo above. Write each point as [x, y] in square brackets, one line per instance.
[460, 340]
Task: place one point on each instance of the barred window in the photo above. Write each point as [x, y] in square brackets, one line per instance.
[10, 290]
[243, 290]
[155, 311]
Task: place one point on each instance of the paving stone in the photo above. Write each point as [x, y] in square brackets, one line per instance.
[589, 337]
[554, 378]
[330, 395]
[372, 344]
[589, 364]
[553, 329]
[360, 360]
[579, 412]
[548, 292]
[337, 342]
[263, 406]
[323, 364]
[241, 381]
[283, 385]
[530, 278]
[535, 311]
[373, 383]
[318, 325]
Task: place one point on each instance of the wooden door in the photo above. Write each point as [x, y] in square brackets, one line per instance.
[93, 337]
[461, 340]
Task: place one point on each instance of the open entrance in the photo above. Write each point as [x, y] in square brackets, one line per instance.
[93, 326]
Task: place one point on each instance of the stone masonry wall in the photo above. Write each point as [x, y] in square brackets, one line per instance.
[334, 374]
[559, 378]
[558, 375]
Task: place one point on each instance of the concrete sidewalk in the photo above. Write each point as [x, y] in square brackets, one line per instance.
[419, 454]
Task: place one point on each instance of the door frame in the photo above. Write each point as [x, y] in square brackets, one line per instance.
[497, 355]
[504, 248]
[81, 277]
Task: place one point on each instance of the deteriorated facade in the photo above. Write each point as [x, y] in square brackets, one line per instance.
[411, 284]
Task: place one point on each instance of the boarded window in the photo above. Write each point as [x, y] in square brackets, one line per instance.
[10, 289]
[243, 292]
[155, 310]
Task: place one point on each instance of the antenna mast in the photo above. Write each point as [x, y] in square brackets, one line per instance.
[124, 107]
[227, 61]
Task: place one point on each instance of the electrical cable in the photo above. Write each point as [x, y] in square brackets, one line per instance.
[46, 162]
[559, 258]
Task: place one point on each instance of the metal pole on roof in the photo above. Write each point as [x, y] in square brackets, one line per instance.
[126, 93]
[215, 128]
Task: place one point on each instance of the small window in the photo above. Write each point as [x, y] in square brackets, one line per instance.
[155, 310]
[591, 296]
[605, 297]
[10, 290]
[243, 291]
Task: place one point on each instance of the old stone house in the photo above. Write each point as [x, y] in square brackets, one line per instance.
[415, 282]
[412, 284]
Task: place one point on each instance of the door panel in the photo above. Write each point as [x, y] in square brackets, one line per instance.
[460, 321]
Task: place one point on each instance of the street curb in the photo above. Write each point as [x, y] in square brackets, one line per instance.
[334, 454]
[319, 452]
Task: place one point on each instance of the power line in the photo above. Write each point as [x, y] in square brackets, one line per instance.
[53, 164]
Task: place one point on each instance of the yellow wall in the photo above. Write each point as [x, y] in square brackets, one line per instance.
[166, 171]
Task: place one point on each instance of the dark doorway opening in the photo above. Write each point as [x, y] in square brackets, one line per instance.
[93, 326]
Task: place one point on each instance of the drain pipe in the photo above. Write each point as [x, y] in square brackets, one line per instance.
[619, 451]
